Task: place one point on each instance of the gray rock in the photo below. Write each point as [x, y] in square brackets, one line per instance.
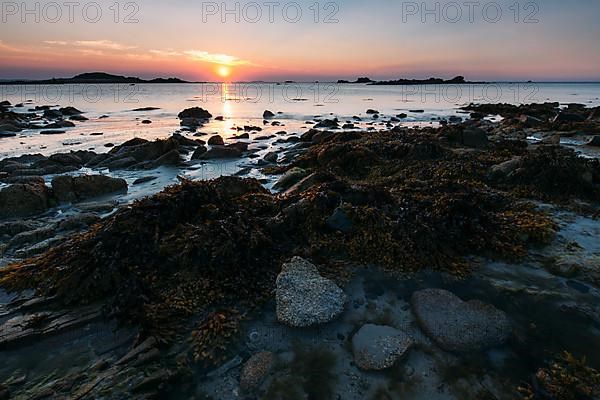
[71, 189]
[268, 114]
[304, 298]
[378, 347]
[459, 326]
[506, 168]
[256, 370]
[291, 177]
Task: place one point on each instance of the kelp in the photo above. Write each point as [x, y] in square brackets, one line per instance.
[199, 254]
[567, 378]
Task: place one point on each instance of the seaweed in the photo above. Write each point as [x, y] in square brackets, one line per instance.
[567, 378]
[188, 261]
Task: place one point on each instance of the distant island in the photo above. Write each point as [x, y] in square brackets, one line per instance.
[93, 77]
[359, 80]
[459, 80]
[431, 81]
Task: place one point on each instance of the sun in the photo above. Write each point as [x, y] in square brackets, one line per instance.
[223, 71]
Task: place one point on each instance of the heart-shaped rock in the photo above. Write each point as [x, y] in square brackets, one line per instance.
[459, 326]
[304, 298]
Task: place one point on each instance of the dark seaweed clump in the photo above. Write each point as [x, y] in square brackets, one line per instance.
[567, 378]
[191, 261]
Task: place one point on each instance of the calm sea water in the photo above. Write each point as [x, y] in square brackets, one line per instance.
[109, 107]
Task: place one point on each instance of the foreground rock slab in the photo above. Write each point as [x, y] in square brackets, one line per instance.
[377, 347]
[304, 298]
[459, 326]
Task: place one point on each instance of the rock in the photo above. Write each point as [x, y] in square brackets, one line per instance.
[529, 121]
[216, 141]
[9, 128]
[78, 222]
[595, 141]
[69, 111]
[195, 113]
[402, 115]
[459, 326]
[52, 132]
[145, 109]
[217, 152]
[271, 157]
[52, 114]
[327, 123]
[4, 392]
[146, 122]
[455, 119]
[339, 221]
[506, 168]
[475, 138]
[7, 134]
[79, 118]
[268, 114]
[24, 199]
[378, 347]
[199, 152]
[73, 189]
[566, 116]
[304, 298]
[60, 124]
[371, 111]
[256, 370]
[291, 177]
[144, 179]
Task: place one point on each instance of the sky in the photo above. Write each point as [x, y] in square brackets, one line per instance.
[303, 40]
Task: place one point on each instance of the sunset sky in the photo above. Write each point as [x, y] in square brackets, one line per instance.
[382, 39]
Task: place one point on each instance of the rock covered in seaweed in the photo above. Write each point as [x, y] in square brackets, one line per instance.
[459, 326]
[305, 298]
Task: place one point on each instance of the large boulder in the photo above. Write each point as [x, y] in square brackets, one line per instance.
[304, 298]
[77, 188]
[459, 326]
[24, 199]
[377, 347]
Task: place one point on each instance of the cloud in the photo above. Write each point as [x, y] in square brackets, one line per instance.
[103, 44]
[91, 44]
[166, 53]
[56, 42]
[222, 59]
